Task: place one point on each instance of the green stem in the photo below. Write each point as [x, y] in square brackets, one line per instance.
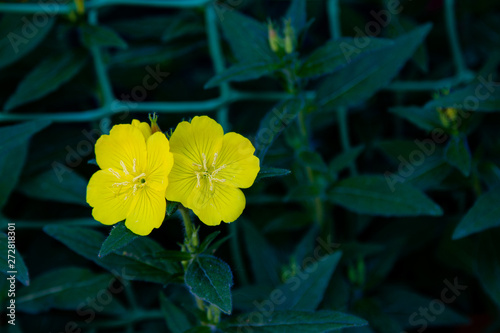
[191, 234]
[451, 28]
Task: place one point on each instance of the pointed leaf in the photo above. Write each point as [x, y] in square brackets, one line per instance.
[53, 71]
[19, 36]
[293, 321]
[266, 172]
[457, 154]
[101, 36]
[344, 159]
[362, 78]
[372, 195]
[11, 259]
[298, 15]
[211, 279]
[424, 118]
[242, 72]
[119, 237]
[485, 214]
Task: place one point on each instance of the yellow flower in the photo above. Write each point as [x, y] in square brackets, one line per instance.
[134, 175]
[209, 168]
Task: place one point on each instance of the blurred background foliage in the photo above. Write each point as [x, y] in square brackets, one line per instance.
[385, 145]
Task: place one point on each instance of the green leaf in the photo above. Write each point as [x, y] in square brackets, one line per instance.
[48, 186]
[211, 279]
[430, 173]
[373, 195]
[344, 160]
[298, 15]
[170, 255]
[100, 36]
[66, 289]
[488, 264]
[207, 241]
[119, 237]
[171, 207]
[312, 160]
[181, 26]
[457, 154]
[53, 71]
[12, 257]
[305, 290]
[136, 261]
[293, 321]
[13, 153]
[362, 78]
[248, 38]
[400, 303]
[485, 214]
[266, 172]
[176, 319]
[274, 122]
[262, 256]
[424, 118]
[378, 320]
[242, 72]
[20, 36]
[337, 54]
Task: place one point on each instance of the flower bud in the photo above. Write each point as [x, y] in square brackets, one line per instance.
[290, 40]
[274, 39]
[154, 126]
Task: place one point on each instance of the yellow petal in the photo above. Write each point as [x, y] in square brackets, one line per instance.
[146, 212]
[110, 202]
[241, 166]
[160, 161]
[143, 127]
[203, 136]
[224, 203]
[118, 150]
[181, 180]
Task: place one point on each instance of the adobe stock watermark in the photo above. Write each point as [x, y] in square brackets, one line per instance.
[428, 314]
[373, 28]
[265, 308]
[98, 303]
[76, 154]
[426, 147]
[30, 28]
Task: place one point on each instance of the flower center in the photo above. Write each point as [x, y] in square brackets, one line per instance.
[209, 173]
[132, 182]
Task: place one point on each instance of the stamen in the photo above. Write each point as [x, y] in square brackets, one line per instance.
[219, 169]
[120, 184]
[204, 161]
[117, 175]
[198, 179]
[141, 175]
[133, 166]
[215, 159]
[198, 165]
[135, 189]
[124, 167]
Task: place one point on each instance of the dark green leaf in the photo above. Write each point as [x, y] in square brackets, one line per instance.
[136, 261]
[262, 256]
[293, 321]
[208, 240]
[170, 255]
[48, 186]
[211, 279]
[304, 192]
[344, 160]
[201, 329]
[337, 54]
[424, 118]
[298, 15]
[430, 173]
[304, 291]
[176, 319]
[12, 257]
[53, 71]
[378, 320]
[242, 72]
[180, 26]
[485, 214]
[266, 172]
[247, 38]
[373, 195]
[488, 264]
[119, 237]
[457, 154]
[274, 122]
[312, 160]
[20, 36]
[101, 36]
[288, 221]
[171, 207]
[65, 289]
[364, 77]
